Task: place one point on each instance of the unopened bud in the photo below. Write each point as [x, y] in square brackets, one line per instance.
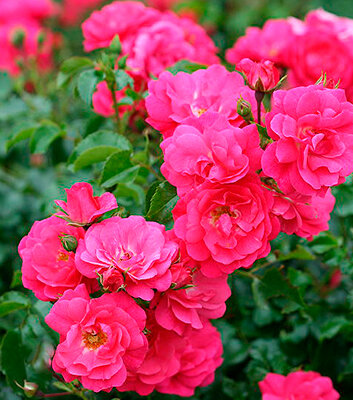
[244, 110]
[69, 242]
[30, 388]
[18, 38]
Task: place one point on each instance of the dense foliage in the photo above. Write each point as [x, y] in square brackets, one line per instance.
[292, 310]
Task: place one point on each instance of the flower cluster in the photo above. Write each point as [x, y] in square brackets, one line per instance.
[147, 327]
[25, 43]
[321, 43]
[152, 39]
[298, 386]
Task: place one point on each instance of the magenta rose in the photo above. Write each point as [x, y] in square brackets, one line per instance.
[298, 386]
[313, 140]
[173, 99]
[209, 149]
[123, 18]
[47, 268]
[323, 45]
[29, 10]
[137, 250]
[302, 216]
[269, 43]
[101, 339]
[82, 207]
[226, 227]
[73, 11]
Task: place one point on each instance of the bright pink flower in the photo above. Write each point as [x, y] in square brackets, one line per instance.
[179, 308]
[226, 226]
[162, 5]
[123, 18]
[298, 386]
[199, 359]
[82, 207]
[138, 249]
[18, 10]
[261, 76]
[177, 364]
[101, 340]
[74, 10]
[302, 216]
[167, 41]
[323, 45]
[313, 140]
[209, 149]
[174, 98]
[34, 51]
[269, 43]
[48, 269]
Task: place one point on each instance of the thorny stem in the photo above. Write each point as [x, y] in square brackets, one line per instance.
[246, 274]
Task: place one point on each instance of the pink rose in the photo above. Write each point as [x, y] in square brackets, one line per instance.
[261, 76]
[47, 268]
[323, 45]
[226, 226]
[167, 41]
[162, 5]
[29, 51]
[269, 43]
[200, 357]
[298, 386]
[209, 149]
[138, 249]
[313, 142]
[101, 340]
[175, 98]
[302, 216]
[82, 207]
[177, 364]
[123, 18]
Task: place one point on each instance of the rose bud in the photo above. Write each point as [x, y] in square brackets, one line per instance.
[261, 76]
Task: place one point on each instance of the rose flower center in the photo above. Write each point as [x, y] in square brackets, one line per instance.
[94, 339]
[62, 256]
[219, 211]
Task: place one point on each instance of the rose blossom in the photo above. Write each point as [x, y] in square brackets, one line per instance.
[298, 386]
[174, 98]
[323, 45]
[226, 226]
[101, 339]
[48, 269]
[137, 249]
[313, 140]
[261, 76]
[175, 364]
[304, 217]
[269, 43]
[209, 149]
[82, 207]
[123, 18]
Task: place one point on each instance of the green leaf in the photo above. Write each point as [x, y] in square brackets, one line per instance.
[86, 84]
[185, 66]
[116, 164]
[22, 133]
[71, 67]
[97, 147]
[122, 79]
[16, 279]
[344, 203]
[162, 203]
[333, 327]
[13, 301]
[300, 253]
[323, 243]
[274, 284]
[12, 108]
[12, 359]
[44, 136]
[5, 85]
